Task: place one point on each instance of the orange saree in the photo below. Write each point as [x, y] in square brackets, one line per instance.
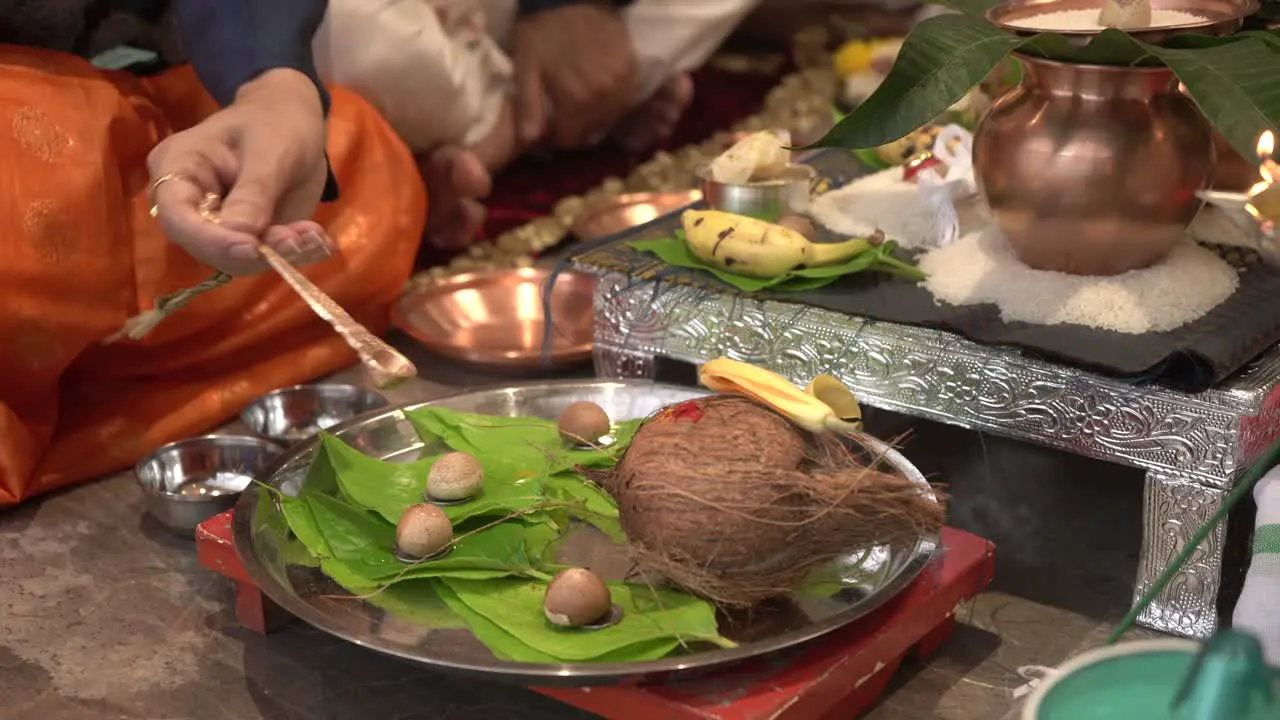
[79, 255]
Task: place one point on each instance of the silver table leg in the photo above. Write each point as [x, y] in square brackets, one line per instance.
[1173, 508]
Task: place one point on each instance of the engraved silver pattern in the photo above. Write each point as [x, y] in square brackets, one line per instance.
[1187, 443]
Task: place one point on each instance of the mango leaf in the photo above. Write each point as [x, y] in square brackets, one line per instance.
[388, 488]
[649, 616]
[356, 547]
[506, 646]
[1236, 86]
[942, 59]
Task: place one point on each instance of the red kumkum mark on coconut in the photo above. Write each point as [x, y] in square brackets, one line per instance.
[687, 411]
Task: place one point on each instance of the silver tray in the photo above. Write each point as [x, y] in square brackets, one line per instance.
[881, 574]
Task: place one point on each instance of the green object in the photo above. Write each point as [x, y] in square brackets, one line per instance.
[1225, 679]
[123, 56]
[654, 621]
[356, 546]
[513, 446]
[388, 488]
[673, 251]
[589, 503]
[946, 56]
[494, 577]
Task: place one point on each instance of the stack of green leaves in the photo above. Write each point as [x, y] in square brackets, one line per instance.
[495, 576]
[673, 250]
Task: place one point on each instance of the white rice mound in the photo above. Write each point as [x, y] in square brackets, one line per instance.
[981, 267]
[884, 201]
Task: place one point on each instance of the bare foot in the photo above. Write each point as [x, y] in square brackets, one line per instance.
[653, 121]
[456, 181]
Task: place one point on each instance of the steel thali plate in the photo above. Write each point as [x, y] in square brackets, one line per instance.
[872, 576]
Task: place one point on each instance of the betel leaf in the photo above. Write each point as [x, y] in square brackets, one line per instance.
[516, 446]
[506, 646]
[649, 615]
[388, 488]
[418, 602]
[942, 59]
[587, 502]
[1236, 86]
[357, 545]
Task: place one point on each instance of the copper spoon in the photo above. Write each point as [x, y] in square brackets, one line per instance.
[386, 365]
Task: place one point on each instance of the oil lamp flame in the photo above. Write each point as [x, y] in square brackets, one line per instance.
[1264, 199]
[1266, 144]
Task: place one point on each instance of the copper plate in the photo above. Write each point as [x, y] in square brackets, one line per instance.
[1221, 17]
[628, 211]
[495, 317]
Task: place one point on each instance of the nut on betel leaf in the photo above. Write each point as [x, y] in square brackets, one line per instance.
[455, 476]
[423, 531]
[583, 422]
[577, 597]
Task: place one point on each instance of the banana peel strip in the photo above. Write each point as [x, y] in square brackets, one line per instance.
[825, 405]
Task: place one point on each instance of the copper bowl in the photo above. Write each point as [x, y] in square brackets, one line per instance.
[495, 317]
[1067, 183]
[1221, 17]
[628, 211]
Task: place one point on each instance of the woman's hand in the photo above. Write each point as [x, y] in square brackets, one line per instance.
[264, 154]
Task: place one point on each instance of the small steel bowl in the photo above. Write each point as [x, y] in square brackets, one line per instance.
[767, 199]
[187, 482]
[297, 413]
[494, 318]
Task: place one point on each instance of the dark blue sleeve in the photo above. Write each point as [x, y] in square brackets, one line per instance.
[230, 42]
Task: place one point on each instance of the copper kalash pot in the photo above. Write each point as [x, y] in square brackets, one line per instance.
[1093, 169]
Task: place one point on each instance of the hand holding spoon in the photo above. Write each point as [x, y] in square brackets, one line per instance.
[386, 365]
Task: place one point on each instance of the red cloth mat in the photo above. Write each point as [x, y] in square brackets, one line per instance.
[837, 677]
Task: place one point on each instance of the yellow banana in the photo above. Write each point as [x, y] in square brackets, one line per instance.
[825, 405]
[748, 246]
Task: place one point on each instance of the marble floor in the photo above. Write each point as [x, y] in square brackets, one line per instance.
[104, 616]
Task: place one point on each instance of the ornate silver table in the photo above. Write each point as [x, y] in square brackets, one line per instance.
[1192, 446]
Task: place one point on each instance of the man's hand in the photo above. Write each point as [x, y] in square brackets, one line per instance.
[264, 154]
[578, 56]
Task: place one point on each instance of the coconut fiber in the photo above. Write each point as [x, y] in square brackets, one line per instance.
[730, 500]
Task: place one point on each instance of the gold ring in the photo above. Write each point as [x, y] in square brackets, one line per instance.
[211, 207]
[155, 185]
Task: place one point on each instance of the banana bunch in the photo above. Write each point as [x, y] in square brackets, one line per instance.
[826, 404]
[748, 246]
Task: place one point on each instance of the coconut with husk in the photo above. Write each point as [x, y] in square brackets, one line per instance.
[738, 497]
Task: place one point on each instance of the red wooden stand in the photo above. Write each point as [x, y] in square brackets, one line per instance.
[836, 678]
